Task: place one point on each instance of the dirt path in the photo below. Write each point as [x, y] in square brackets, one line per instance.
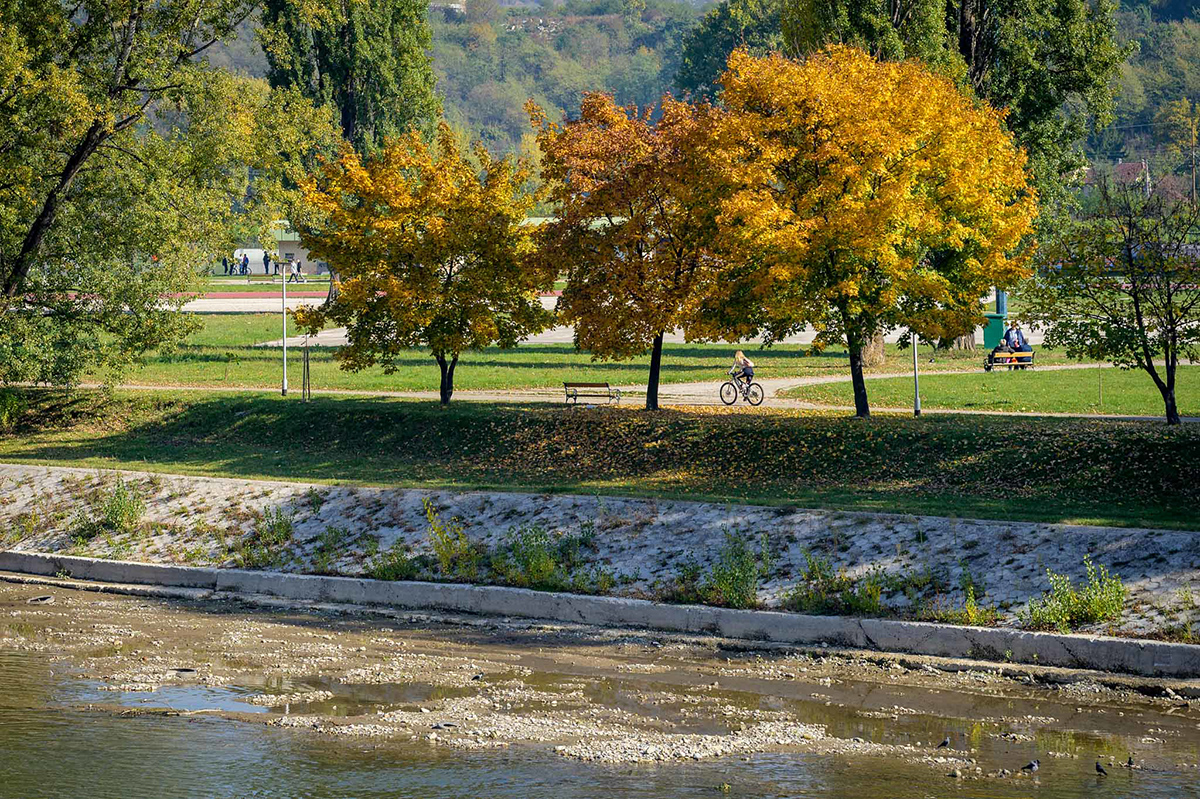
[702, 394]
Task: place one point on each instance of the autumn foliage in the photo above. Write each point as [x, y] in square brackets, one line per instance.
[432, 253]
[866, 196]
[638, 200]
[837, 192]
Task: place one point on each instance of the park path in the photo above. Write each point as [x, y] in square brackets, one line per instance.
[700, 393]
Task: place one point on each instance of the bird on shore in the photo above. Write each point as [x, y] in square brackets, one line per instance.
[1100, 769]
[1129, 762]
[1031, 766]
[945, 743]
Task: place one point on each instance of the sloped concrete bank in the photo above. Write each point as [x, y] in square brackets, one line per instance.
[642, 546]
[1139, 657]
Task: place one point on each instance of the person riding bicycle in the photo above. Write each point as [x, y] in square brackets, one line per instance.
[743, 367]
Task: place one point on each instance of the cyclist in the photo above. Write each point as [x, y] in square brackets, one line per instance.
[743, 367]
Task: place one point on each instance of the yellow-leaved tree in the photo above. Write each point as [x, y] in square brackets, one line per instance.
[866, 196]
[432, 252]
[638, 201]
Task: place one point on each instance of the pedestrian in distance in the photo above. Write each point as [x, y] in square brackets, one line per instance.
[246, 264]
[266, 262]
[225, 264]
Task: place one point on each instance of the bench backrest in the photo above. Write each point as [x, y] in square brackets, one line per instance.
[585, 385]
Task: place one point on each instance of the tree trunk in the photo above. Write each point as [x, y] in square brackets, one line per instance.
[873, 354]
[447, 388]
[332, 295]
[1172, 409]
[966, 342]
[1168, 393]
[861, 409]
[31, 247]
[655, 367]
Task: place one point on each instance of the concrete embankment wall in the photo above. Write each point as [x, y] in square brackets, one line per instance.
[1140, 657]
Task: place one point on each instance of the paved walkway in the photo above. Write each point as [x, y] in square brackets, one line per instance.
[699, 394]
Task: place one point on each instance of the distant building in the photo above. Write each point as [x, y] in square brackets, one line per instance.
[289, 245]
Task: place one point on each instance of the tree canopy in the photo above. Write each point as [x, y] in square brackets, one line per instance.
[1123, 284]
[634, 236]
[867, 195]
[432, 250]
[1050, 64]
[367, 58]
[123, 161]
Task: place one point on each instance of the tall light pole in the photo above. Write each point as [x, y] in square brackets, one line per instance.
[916, 380]
[283, 284]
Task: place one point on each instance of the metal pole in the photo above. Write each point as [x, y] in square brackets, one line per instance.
[306, 388]
[284, 308]
[916, 381]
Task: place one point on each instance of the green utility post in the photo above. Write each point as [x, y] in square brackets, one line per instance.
[993, 329]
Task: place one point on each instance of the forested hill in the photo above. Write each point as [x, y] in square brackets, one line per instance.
[1158, 91]
[490, 59]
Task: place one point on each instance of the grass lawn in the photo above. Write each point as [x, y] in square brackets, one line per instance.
[1063, 391]
[1044, 469]
[227, 339]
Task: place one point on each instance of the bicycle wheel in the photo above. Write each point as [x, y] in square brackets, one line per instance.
[754, 394]
[729, 393]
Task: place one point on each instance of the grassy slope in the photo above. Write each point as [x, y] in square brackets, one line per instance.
[202, 361]
[1041, 469]
[1067, 391]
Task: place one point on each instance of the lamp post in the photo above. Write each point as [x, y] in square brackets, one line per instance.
[916, 380]
[283, 284]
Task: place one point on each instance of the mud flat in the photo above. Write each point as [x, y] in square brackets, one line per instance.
[428, 683]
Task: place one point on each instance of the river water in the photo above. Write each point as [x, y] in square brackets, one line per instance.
[76, 722]
[55, 743]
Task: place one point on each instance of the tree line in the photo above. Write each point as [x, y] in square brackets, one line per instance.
[841, 191]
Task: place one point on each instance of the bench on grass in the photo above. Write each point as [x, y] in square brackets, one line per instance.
[1013, 360]
[590, 390]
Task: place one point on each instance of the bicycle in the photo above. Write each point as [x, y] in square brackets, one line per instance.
[751, 392]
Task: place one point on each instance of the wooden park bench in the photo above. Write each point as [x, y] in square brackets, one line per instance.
[592, 390]
[1013, 360]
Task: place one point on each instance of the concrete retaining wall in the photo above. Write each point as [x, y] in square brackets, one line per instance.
[1145, 658]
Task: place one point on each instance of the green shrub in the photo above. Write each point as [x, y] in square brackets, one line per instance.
[457, 558]
[123, 510]
[119, 513]
[533, 557]
[329, 548]
[265, 545]
[822, 590]
[397, 564]
[1064, 608]
[534, 554]
[11, 408]
[972, 613]
[733, 579]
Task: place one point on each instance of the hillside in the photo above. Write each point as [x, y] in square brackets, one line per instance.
[489, 60]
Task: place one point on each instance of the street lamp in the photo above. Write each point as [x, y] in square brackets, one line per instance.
[283, 284]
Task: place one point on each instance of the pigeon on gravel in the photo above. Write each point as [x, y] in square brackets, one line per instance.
[1100, 769]
[1031, 766]
[945, 742]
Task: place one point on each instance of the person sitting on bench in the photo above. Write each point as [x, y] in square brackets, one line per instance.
[1015, 339]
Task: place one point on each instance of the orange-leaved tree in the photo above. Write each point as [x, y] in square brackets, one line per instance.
[867, 196]
[638, 201]
[432, 252]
